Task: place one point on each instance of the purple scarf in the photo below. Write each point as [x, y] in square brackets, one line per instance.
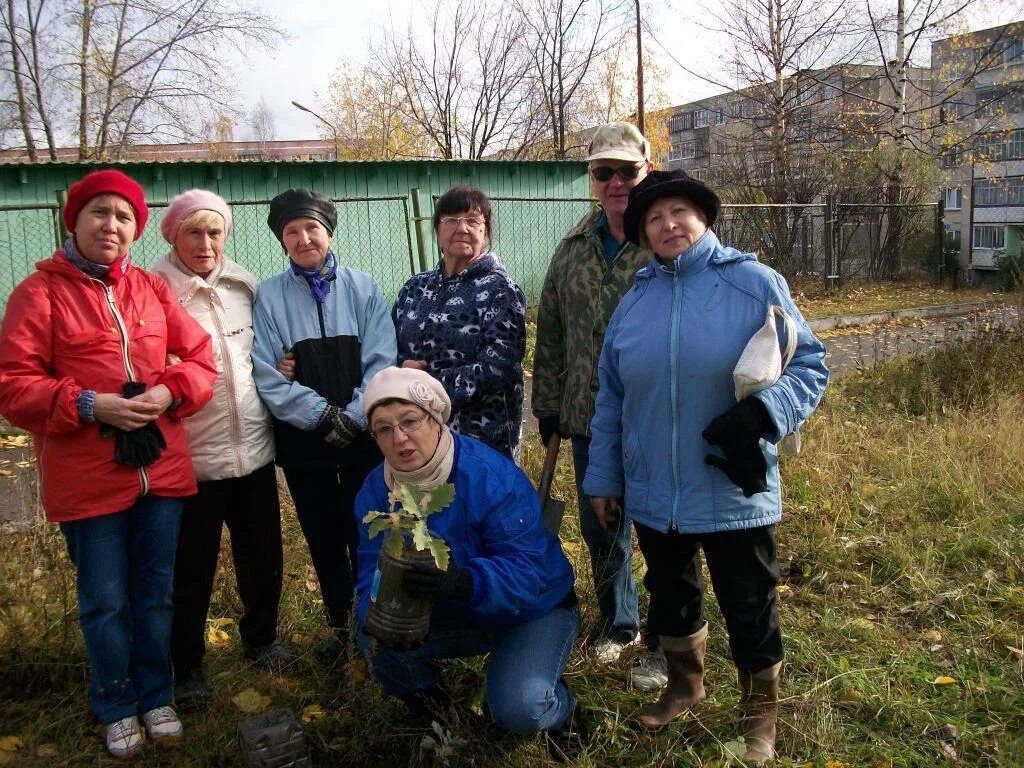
[114, 271]
[319, 280]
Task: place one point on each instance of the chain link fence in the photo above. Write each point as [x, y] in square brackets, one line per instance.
[837, 242]
[832, 242]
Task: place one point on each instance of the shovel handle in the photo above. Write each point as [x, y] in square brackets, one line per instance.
[548, 473]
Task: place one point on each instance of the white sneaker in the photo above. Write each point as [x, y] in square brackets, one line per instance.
[162, 723]
[607, 651]
[651, 673]
[124, 737]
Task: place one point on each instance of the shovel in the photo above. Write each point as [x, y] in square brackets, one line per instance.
[551, 509]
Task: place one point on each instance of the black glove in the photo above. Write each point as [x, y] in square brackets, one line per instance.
[138, 447]
[549, 424]
[336, 427]
[738, 432]
[424, 581]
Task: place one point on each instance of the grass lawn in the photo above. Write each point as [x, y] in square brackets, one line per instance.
[902, 610]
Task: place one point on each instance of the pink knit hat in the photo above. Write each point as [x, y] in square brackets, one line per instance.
[187, 203]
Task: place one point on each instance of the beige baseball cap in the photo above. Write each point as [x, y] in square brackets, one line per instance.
[619, 141]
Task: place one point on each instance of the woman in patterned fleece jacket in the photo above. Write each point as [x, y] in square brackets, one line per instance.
[464, 322]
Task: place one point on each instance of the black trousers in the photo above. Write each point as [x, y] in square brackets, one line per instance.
[249, 507]
[744, 575]
[325, 505]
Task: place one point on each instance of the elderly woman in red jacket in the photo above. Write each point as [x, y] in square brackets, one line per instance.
[83, 367]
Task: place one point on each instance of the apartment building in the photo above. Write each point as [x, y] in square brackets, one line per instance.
[979, 90]
[728, 138]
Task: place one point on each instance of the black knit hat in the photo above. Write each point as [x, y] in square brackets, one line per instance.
[659, 184]
[301, 203]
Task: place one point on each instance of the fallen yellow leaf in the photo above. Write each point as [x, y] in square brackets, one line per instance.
[218, 638]
[931, 636]
[47, 750]
[10, 744]
[224, 622]
[835, 764]
[784, 588]
[312, 713]
[251, 701]
[944, 680]
[356, 671]
[1018, 652]
[15, 441]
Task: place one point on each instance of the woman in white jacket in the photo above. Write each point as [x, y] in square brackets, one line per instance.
[232, 451]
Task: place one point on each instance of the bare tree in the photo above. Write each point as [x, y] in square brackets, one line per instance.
[464, 84]
[122, 71]
[261, 126]
[567, 38]
[900, 35]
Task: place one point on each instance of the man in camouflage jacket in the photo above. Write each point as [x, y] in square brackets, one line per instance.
[591, 270]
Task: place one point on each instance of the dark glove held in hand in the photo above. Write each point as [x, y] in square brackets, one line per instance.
[738, 432]
[747, 472]
[745, 422]
[344, 430]
[426, 582]
[139, 447]
[548, 425]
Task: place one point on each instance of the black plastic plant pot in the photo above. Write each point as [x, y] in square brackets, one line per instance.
[393, 617]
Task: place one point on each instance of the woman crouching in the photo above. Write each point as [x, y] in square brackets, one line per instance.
[508, 588]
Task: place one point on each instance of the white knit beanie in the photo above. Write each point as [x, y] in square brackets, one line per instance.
[410, 384]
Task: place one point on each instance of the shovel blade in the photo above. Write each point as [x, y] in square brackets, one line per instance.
[552, 514]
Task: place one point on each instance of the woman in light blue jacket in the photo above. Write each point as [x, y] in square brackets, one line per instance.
[699, 470]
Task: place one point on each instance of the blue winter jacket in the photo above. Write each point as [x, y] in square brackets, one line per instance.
[353, 318]
[666, 371]
[494, 530]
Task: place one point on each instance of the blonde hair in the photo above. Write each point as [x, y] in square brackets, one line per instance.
[203, 218]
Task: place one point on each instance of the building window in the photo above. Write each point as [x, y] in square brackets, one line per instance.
[952, 157]
[1013, 52]
[687, 121]
[688, 149]
[719, 116]
[953, 198]
[700, 118]
[701, 174]
[1008, 190]
[988, 237]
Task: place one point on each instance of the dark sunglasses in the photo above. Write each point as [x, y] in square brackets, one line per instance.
[605, 173]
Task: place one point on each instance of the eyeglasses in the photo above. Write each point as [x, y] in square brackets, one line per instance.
[408, 426]
[473, 222]
[605, 172]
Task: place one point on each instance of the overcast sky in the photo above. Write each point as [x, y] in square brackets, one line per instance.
[323, 34]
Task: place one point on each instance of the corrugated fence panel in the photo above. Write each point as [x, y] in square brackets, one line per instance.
[535, 204]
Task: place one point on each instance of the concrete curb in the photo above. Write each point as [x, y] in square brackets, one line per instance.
[943, 310]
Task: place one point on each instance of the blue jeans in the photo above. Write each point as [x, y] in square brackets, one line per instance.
[125, 564]
[525, 691]
[611, 559]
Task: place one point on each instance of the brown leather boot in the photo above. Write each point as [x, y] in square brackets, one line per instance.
[760, 704]
[684, 657]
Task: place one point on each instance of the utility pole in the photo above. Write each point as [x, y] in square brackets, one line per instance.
[639, 73]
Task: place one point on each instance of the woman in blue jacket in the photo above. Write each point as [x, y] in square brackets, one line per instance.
[508, 588]
[321, 332]
[699, 470]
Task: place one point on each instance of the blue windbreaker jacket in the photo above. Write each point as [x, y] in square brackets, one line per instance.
[494, 530]
[666, 371]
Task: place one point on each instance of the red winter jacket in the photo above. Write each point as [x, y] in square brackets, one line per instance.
[64, 332]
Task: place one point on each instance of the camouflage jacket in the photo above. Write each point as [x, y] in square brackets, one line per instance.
[580, 293]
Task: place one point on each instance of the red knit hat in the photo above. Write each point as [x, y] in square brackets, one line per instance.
[106, 182]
